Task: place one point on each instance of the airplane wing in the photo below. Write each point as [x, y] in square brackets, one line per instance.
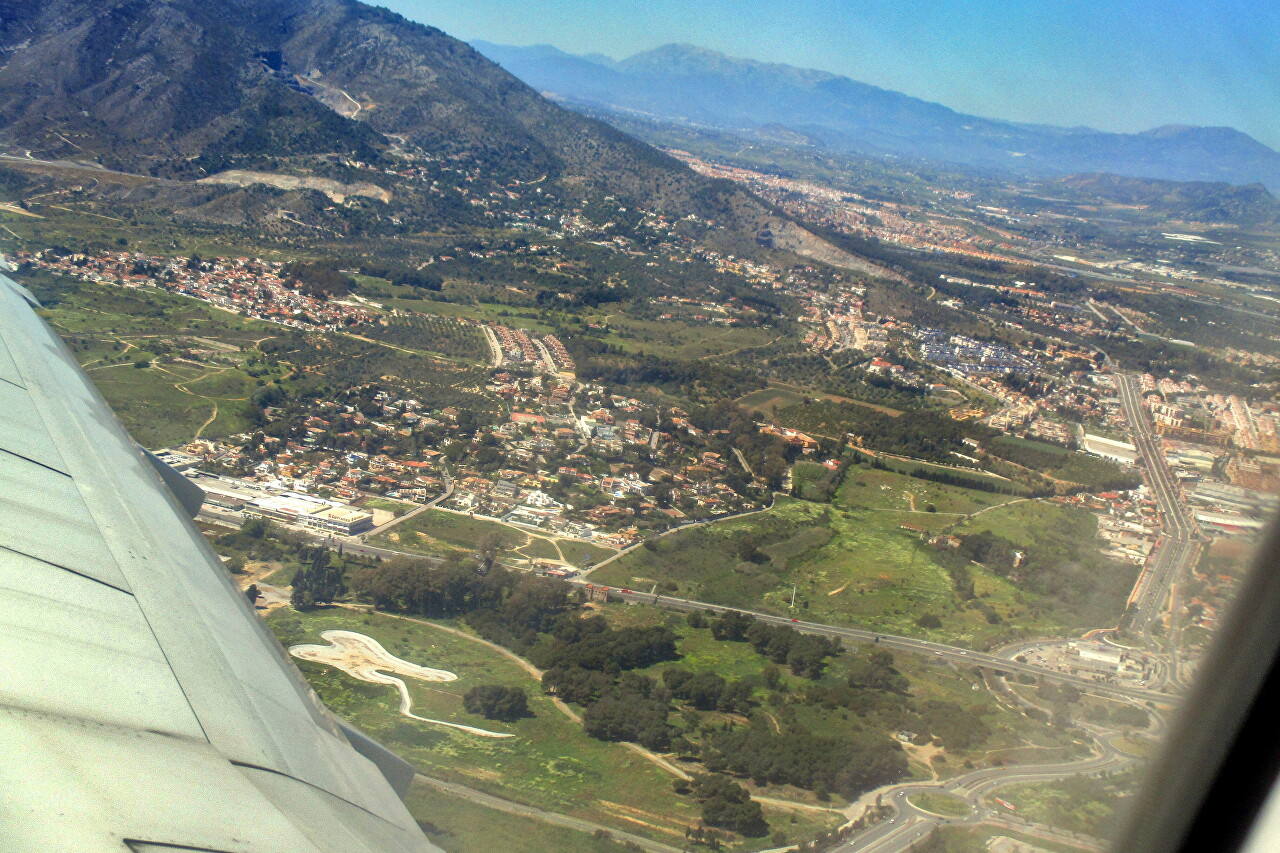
[144, 706]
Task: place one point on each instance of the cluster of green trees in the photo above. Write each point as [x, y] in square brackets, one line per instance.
[918, 433]
[725, 804]
[319, 581]
[694, 380]
[634, 708]
[578, 643]
[848, 765]
[805, 654]
[318, 279]
[876, 670]
[588, 663]
[418, 278]
[506, 607]
[708, 691]
[497, 702]
[953, 478]
[1090, 471]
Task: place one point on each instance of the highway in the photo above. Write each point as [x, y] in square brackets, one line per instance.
[1179, 547]
[909, 823]
[1161, 480]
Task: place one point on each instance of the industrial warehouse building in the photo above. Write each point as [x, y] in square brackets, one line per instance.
[289, 507]
[312, 512]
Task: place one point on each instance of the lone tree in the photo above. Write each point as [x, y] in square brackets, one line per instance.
[496, 702]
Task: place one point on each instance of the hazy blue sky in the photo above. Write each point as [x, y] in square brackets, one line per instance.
[1121, 65]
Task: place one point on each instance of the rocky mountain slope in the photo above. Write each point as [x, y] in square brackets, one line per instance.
[185, 89]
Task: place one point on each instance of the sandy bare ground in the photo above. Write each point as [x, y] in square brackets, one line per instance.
[363, 657]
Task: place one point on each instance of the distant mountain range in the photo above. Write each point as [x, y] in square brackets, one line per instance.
[1198, 201]
[807, 108]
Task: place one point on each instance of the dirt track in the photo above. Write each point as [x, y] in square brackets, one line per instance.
[364, 657]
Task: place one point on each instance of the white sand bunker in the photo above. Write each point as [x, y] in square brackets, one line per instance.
[364, 657]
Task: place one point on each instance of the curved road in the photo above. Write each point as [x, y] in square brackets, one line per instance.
[910, 823]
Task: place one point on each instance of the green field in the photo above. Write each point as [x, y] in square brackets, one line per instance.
[396, 508]
[436, 531]
[550, 763]
[954, 839]
[861, 561]
[849, 567]
[881, 489]
[942, 804]
[461, 826]
[170, 367]
[1090, 589]
[1078, 804]
[767, 401]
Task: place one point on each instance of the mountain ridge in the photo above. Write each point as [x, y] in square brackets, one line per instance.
[699, 86]
[185, 89]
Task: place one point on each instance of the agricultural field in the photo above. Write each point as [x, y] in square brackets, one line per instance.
[461, 826]
[433, 333]
[485, 312]
[680, 340]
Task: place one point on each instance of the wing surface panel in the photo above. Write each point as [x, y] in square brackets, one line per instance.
[8, 370]
[45, 516]
[178, 649]
[74, 646]
[22, 430]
